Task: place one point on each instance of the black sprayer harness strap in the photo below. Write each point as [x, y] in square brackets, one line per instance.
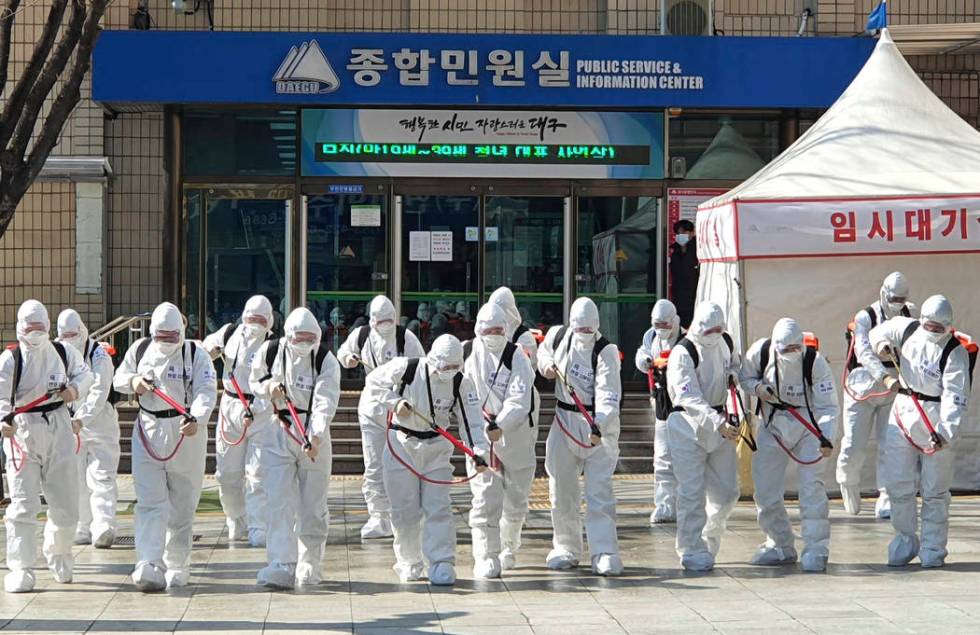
[365, 331]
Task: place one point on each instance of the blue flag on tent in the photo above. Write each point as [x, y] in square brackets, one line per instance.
[878, 18]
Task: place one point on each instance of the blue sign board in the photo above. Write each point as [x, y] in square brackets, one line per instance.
[473, 70]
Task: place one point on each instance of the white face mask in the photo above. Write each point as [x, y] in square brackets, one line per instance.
[710, 340]
[933, 337]
[34, 339]
[75, 341]
[664, 334]
[682, 239]
[444, 375]
[582, 340]
[385, 329]
[494, 343]
[791, 356]
[167, 348]
[894, 308]
[254, 330]
[301, 348]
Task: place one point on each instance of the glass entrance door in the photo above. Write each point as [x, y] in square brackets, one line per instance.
[440, 286]
[523, 242]
[616, 266]
[235, 242]
[346, 259]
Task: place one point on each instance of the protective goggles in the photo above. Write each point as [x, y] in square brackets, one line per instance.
[713, 331]
[933, 327]
[491, 330]
[171, 337]
[663, 325]
[303, 337]
[896, 299]
[256, 319]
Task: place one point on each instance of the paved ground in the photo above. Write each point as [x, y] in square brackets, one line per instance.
[361, 594]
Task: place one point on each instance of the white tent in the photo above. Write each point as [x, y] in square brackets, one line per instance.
[728, 157]
[888, 179]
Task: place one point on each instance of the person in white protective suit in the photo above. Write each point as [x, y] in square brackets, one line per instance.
[39, 447]
[417, 391]
[700, 439]
[516, 331]
[582, 359]
[169, 449]
[934, 389]
[373, 345]
[242, 432]
[784, 373]
[98, 446]
[664, 331]
[867, 403]
[504, 380]
[300, 370]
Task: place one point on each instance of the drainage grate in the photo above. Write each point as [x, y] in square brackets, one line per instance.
[131, 540]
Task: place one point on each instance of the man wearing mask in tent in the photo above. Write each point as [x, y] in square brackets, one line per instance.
[933, 388]
[38, 378]
[700, 372]
[516, 331]
[420, 394]
[301, 378]
[244, 423]
[373, 345]
[799, 413]
[583, 438]
[176, 386]
[867, 402]
[503, 378]
[685, 269]
[663, 334]
[98, 444]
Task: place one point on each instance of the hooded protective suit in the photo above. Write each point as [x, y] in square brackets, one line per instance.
[296, 536]
[867, 404]
[421, 512]
[98, 456]
[379, 348]
[943, 395]
[784, 374]
[705, 464]
[167, 492]
[500, 502]
[516, 331]
[239, 460]
[572, 355]
[47, 460]
[655, 341]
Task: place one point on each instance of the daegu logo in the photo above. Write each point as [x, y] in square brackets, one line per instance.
[306, 71]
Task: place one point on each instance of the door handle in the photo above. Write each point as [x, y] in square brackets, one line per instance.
[379, 275]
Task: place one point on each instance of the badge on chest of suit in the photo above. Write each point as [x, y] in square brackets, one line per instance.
[56, 380]
[173, 372]
[303, 382]
[930, 369]
[581, 372]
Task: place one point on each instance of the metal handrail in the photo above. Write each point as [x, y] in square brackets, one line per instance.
[119, 324]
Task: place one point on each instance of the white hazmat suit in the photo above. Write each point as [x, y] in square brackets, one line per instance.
[505, 393]
[656, 341]
[98, 454]
[421, 512]
[705, 464]
[943, 393]
[591, 365]
[167, 491]
[867, 404]
[516, 331]
[380, 346]
[47, 462]
[239, 451]
[296, 479]
[780, 384]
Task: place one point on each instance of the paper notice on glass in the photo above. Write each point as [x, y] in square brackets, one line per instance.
[365, 216]
[442, 246]
[418, 246]
[491, 234]
[472, 234]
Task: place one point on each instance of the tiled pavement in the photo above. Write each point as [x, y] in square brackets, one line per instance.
[361, 594]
